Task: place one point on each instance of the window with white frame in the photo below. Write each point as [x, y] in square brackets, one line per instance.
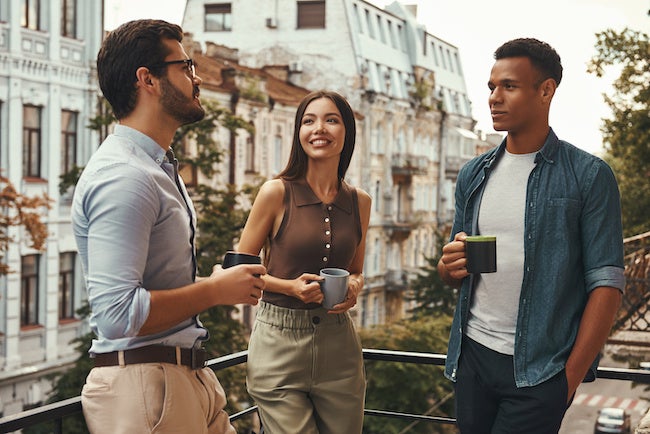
[66, 284]
[380, 28]
[30, 14]
[68, 140]
[277, 154]
[29, 277]
[69, 18]
[32, 141]
[218, 17]
[371, 29]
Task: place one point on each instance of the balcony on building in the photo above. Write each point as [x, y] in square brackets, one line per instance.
[407, 165]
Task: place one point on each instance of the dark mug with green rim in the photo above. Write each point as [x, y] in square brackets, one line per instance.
[481, 253]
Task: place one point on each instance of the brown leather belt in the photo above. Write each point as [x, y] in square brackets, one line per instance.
[192, 357]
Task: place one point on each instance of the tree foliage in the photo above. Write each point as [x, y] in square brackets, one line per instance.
[21, 211]
[407, 387]
[220, 221]
[627, 133]
[432, 296]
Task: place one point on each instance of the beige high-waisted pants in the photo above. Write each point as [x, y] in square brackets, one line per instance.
[305, 371]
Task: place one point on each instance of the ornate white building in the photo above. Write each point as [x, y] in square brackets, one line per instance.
[48, 93]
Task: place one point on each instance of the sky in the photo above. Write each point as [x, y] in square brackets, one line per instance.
[478, 27]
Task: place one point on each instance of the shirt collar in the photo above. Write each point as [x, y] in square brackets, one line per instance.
[142, 141]
[547, 152]
[304, 195]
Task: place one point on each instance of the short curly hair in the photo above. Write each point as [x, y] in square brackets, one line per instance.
[543, 57]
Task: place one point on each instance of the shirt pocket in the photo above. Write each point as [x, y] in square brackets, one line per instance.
[561, 219]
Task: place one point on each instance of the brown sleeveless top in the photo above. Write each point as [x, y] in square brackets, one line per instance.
[313, 235]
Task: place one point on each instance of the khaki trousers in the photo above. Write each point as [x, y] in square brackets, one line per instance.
[305, 371]
[154, 398]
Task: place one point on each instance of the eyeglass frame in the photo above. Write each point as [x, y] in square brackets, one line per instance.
[191, 66]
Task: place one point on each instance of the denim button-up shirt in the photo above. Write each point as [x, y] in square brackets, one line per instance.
[573, 244]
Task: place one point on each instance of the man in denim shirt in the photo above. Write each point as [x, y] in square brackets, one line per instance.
[524, 338]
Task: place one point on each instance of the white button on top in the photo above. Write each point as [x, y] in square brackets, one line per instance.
[329, 208]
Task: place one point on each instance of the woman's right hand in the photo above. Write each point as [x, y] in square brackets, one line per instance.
[307, 289]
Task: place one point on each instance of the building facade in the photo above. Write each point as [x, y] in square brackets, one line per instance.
[409, 87]
[48, 93]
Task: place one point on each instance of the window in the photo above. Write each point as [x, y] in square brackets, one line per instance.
[31, 141]
[380, 27]
[371, 29]
[29, 290]
[30, 14]
[377, 195]
[400, 38]
[218, 17]
[311, 14]
[68, 140]
[357, 18]
[391, 34]
[277, 151]
[457, 61]
[250, 152]
[435, 55]
[69, 18]
[66, 285]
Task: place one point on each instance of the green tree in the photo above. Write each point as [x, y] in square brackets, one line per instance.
[432, 296]
[408, 387]
[220, 221]
[627, 133]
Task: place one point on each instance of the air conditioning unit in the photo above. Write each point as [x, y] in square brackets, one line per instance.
[271, 23]
[295, 66]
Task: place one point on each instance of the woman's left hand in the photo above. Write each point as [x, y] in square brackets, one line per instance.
[354, 288]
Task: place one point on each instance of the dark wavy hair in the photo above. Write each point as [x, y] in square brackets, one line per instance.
[543, 57]
[125, 49]
[296, 167]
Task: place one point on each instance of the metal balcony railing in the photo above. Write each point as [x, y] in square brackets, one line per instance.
[57, 411]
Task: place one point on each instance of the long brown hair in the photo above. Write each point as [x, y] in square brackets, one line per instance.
[296, 167]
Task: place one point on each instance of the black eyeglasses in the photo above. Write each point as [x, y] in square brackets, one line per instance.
[191, 66]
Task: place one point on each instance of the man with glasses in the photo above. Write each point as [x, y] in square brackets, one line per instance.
[134, 225]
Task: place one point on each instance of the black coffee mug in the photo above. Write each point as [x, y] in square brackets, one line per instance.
[232, 258]
[481, 254]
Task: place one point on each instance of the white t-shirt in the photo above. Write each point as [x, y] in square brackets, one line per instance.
[493, 314]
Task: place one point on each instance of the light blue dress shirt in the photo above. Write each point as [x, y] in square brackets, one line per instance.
[134, 232]
[573, 243]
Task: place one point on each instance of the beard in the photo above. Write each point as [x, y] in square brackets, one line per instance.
[185, 110]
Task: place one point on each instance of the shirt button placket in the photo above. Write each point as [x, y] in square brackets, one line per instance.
[328, 234]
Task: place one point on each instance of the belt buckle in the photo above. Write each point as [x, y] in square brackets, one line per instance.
[198, 356]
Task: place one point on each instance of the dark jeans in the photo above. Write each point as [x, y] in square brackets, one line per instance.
[488, 402]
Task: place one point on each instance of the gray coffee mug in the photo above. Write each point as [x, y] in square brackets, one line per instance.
[334, 286]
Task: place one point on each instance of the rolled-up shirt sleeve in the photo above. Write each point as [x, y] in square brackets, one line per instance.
[120, 206]
[602, 230]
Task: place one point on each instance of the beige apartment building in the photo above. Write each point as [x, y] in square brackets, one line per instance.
[408, 85]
